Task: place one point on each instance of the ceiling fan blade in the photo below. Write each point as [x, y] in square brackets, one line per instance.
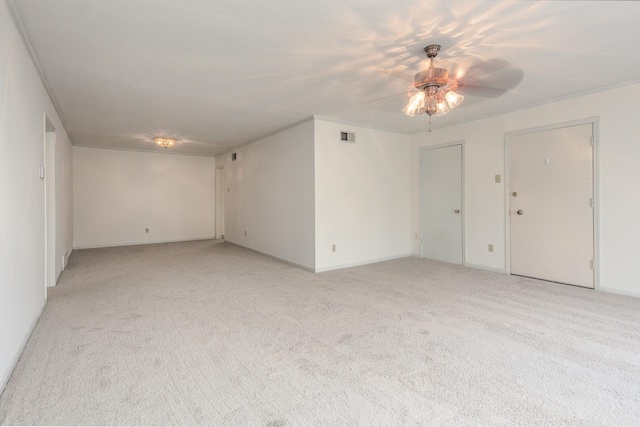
[397, 74]
[496, 83]
[485, 67]
[481, 91]
[385, 97]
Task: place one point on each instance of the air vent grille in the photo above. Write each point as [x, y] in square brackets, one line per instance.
[347, 137]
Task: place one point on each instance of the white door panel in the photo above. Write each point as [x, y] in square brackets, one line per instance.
[220, 202]
[441, 212]
[551, 213]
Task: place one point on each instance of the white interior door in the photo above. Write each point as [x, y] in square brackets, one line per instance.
[220, 200]
[551, 205]
[50, 208]
[441, 204]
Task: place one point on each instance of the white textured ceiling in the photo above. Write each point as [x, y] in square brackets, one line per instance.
[216, 74]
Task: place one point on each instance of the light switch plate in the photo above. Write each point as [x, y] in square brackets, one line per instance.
[498, 179]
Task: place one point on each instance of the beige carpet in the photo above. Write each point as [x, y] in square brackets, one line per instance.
[209, 333]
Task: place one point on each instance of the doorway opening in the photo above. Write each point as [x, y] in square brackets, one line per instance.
[442, 203]
[49, 177]
[220, 202]
[551, 203]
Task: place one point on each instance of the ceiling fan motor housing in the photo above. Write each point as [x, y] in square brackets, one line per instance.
[432, 50]
[431, 77]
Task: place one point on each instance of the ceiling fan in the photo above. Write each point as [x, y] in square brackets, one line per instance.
[439, 91]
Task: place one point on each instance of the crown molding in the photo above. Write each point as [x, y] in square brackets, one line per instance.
[539, 103]
[365, 126]
[138, 150]
[14, 12]
[455, 123]
[266, 135]
[298, 123]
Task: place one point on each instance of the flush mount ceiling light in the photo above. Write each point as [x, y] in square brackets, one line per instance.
[165, 142]
[438, 92]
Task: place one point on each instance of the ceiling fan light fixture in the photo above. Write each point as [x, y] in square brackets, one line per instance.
[453, 99]
[409, 111]
[416, 102]
[442, 108]
[431, 105]
[437, 88]
[165, 142]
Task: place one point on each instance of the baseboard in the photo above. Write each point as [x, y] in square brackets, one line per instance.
[360, 263]
[57, 279]
[486, 268]
[155, 242]
[619, 291]
[66, 261]
[286, 261]
[14, 362]
[476, 266]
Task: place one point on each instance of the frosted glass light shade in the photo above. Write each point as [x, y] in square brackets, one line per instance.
[442, 108]
[453, 99]
[415, 103]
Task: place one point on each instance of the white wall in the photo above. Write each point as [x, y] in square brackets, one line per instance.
[270, 195]
[362, 196]
[619, 156]
[64, 201]
[117, 194]
[23, 103]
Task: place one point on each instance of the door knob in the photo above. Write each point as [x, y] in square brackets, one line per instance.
[520, 212]
[514, 194]
[456, 211]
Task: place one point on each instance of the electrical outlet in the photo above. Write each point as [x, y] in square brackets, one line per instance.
[490, 247]
[146, 230]
[415, 236]
[498, 179]
[333, 248]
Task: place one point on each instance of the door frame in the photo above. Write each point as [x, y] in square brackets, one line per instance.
[595, 129]
[421, 151]
[224, 203]
[50, 237]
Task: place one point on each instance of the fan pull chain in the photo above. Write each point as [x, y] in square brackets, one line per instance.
[429, 123]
